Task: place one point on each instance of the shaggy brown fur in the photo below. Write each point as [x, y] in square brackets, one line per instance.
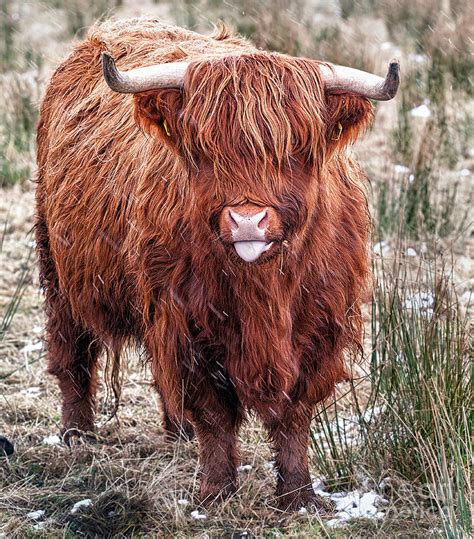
[130, 249]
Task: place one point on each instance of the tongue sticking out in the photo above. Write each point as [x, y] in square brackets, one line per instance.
[251, 250]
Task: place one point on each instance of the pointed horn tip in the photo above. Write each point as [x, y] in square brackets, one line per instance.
[394, 68]
[108, 62]
[111, 73]
[392, 80]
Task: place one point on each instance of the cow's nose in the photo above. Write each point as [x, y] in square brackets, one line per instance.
[247, 224]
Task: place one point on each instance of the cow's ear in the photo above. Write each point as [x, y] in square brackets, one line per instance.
[347, 116]
[158, 111]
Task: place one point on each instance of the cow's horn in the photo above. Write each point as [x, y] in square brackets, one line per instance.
[143, 78]
[345, 80]
[337, 79]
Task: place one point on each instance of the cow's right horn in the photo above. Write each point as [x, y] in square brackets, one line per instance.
[346, 80]
[143, 78]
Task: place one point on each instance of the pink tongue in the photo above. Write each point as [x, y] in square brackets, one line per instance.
[250, 250]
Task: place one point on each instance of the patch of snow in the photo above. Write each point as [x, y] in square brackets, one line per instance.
[466, 297]
[411, 178]
[411, 252]
[37, 329]
[401, 169]
[421, 301]
[196, 515]
[422, 111]
[302, 510]
[417, 58]
[79, 505]
[32, 347]
[318, 487]
[386, 46]
[36, 515]
[464, 172]
[39, 526]
[183, 501]
[31, 391]
[244, 468]
[381, 248]
[385, 482]
[370, 413]
[271, 465]
[51, 440]
[354, 504]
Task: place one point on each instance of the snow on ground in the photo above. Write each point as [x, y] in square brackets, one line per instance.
[421, 111]
[36, 515]
[79, 505]
[51, 440]
[381, 248]
[31, 391]
[244, 468]
[421, 301]
[401, 169]
[353, 504]
[32, 347]
[196, 515]
[358, 503]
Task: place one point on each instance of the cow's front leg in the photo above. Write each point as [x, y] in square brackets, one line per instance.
[289, 432]
[216, 428]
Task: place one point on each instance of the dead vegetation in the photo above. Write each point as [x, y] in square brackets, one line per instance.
[401, 429]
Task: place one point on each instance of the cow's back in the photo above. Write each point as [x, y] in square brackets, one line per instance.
[97, 169]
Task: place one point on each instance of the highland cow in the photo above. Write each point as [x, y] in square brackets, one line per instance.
[196, 198]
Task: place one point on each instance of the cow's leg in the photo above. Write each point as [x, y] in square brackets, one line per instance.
[289, 432]
[176, 428]
[72, 358]
[214, 410]
[215, 422]
[216, 428]
[71, 349]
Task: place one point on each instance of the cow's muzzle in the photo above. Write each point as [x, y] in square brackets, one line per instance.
[250, 228]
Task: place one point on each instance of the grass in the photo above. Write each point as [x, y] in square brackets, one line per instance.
[401, 428]
[416, 424]
[421, 375]
[17, 129]
[428, 205]
[7, 24]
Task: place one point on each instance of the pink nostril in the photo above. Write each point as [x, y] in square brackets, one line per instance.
[263, 223]
[256, 219]
[234, 219]
[247, 223]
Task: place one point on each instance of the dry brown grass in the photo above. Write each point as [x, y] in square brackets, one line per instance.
[134, 479]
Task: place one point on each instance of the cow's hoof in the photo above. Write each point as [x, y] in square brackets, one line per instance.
[74, 437]
[211, 493]
[6, 447]
[183, 432]
[294, 501]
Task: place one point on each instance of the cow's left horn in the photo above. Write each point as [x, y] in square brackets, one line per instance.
[143, 78]
[345, 80]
